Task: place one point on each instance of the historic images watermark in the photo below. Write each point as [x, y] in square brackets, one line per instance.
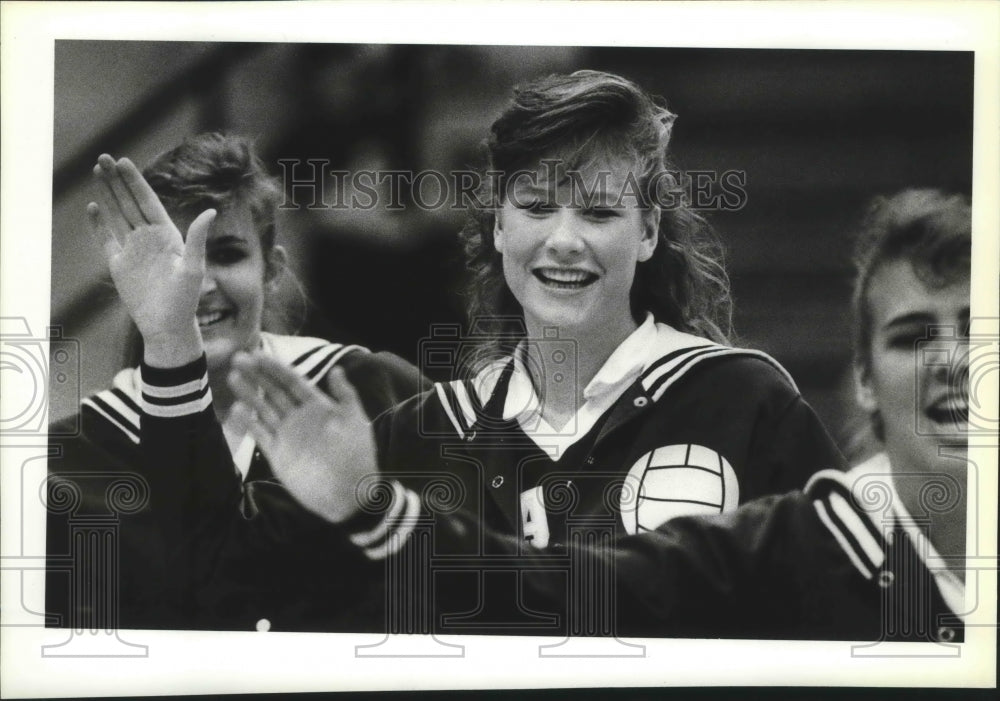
[84, 506]
[312, 184]
[967, 361]
[28, 370]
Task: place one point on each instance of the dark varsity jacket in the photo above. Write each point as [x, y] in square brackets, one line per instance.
[702, 429]
[104, 483]
[826, 563]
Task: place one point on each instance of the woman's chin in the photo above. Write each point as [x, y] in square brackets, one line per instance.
[929, 455]
[566, 319]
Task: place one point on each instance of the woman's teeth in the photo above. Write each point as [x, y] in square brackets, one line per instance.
[565, 278]
[209, 318]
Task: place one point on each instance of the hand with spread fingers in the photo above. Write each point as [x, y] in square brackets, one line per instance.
[157, 273]
[319, 445]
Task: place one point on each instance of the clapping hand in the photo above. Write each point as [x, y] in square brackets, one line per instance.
[321, 447]
[157, 273]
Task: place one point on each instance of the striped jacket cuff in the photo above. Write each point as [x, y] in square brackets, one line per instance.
[174, 392]
[383, 533]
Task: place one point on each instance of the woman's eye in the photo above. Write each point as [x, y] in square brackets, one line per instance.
[602, 213]
[226, 256]
[904, 341]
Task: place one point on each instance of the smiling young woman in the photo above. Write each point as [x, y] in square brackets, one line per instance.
[600, 311]
[571, 266]
[199, 299]
[912, 302]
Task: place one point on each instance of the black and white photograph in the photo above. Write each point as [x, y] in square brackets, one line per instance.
[388, 353]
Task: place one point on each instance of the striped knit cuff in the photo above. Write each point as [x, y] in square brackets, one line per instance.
[174, 392]
[381, 534]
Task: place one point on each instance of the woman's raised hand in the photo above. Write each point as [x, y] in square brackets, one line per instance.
[157, 273]
[321, 447]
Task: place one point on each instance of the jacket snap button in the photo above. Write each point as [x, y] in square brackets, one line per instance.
[640, 402]
[886, 578]
[946, 634]
[263, 625]
[497, 481]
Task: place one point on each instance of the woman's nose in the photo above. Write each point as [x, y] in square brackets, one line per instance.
[208, 283]
[949, 364]
[564, 234]
[958, 375]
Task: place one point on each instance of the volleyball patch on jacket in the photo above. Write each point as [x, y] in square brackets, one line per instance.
[677, 480]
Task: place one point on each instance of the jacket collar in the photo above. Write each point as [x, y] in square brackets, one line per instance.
[648, 353]
[860, 506]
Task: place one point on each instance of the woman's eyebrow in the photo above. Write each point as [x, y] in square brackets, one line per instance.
[532, 188]
[909, 319]
[227, 239]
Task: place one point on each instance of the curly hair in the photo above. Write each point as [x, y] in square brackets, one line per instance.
[580, 119]
[216, 170]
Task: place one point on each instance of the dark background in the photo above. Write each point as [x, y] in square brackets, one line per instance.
[818, 133]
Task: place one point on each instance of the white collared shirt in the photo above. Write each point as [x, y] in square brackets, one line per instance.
[619, 371]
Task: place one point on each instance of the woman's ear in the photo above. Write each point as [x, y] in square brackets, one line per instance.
[650, 235]
[497, 233]
[864, 393]
[277, 259]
